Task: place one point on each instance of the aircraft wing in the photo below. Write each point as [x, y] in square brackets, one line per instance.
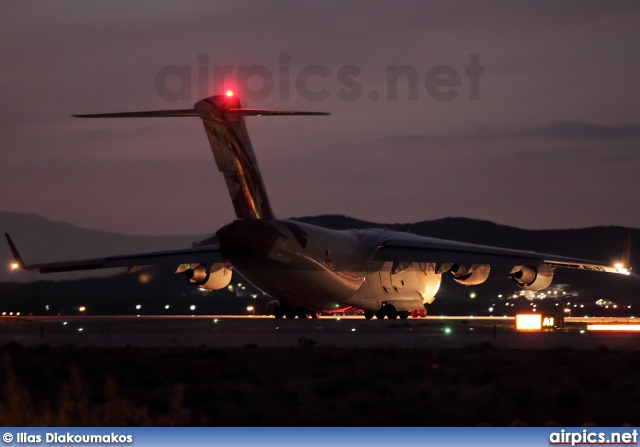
[207, 255]
[413, 248]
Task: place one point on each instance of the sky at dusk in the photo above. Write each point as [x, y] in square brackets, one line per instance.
[551, 141]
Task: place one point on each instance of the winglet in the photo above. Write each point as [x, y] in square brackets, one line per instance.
[626, 253]
[17, 259]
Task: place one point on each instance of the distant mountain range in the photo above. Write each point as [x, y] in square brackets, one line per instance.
[44, 240]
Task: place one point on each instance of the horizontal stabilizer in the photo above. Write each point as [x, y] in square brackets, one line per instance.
[264, 112]
[191, 112]
[150, 114]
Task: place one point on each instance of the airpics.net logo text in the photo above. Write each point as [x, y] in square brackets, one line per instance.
[317, 82]
[591, 437]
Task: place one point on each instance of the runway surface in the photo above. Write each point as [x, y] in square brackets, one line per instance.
[234, 331]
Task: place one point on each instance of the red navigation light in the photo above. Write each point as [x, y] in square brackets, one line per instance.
[229, 93]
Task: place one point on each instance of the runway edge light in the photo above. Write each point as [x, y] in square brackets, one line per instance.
[614, 327]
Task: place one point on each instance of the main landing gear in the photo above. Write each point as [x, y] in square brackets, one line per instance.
[281, 311]
[387, 310]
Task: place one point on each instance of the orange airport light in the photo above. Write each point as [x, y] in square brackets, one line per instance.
[614, 327]
[529, 322]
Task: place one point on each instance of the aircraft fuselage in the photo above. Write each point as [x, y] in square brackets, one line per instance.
[316, 268]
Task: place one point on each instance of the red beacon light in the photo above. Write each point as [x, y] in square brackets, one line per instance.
[228, 93]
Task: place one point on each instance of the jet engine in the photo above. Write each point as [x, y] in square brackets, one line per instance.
[532, 278]
[217, 277]
[470, 276]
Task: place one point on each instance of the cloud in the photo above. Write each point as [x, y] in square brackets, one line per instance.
[544, 63]
[561, 130]
[585, 131]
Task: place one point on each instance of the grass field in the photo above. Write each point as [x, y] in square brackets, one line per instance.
[310, 386]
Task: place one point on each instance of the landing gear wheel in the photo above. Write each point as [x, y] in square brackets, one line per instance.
[381, 314]
[403, 314]
[278, 312]
[290, 314]
[392, 313]
[302, 313]
[368, 314]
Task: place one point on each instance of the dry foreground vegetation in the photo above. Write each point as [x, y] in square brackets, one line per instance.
[310, 386]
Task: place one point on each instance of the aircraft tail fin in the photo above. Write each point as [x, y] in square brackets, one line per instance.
[223, 120]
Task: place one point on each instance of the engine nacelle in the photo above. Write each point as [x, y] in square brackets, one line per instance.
[532, 278]
[470, 276]
[218, 276]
